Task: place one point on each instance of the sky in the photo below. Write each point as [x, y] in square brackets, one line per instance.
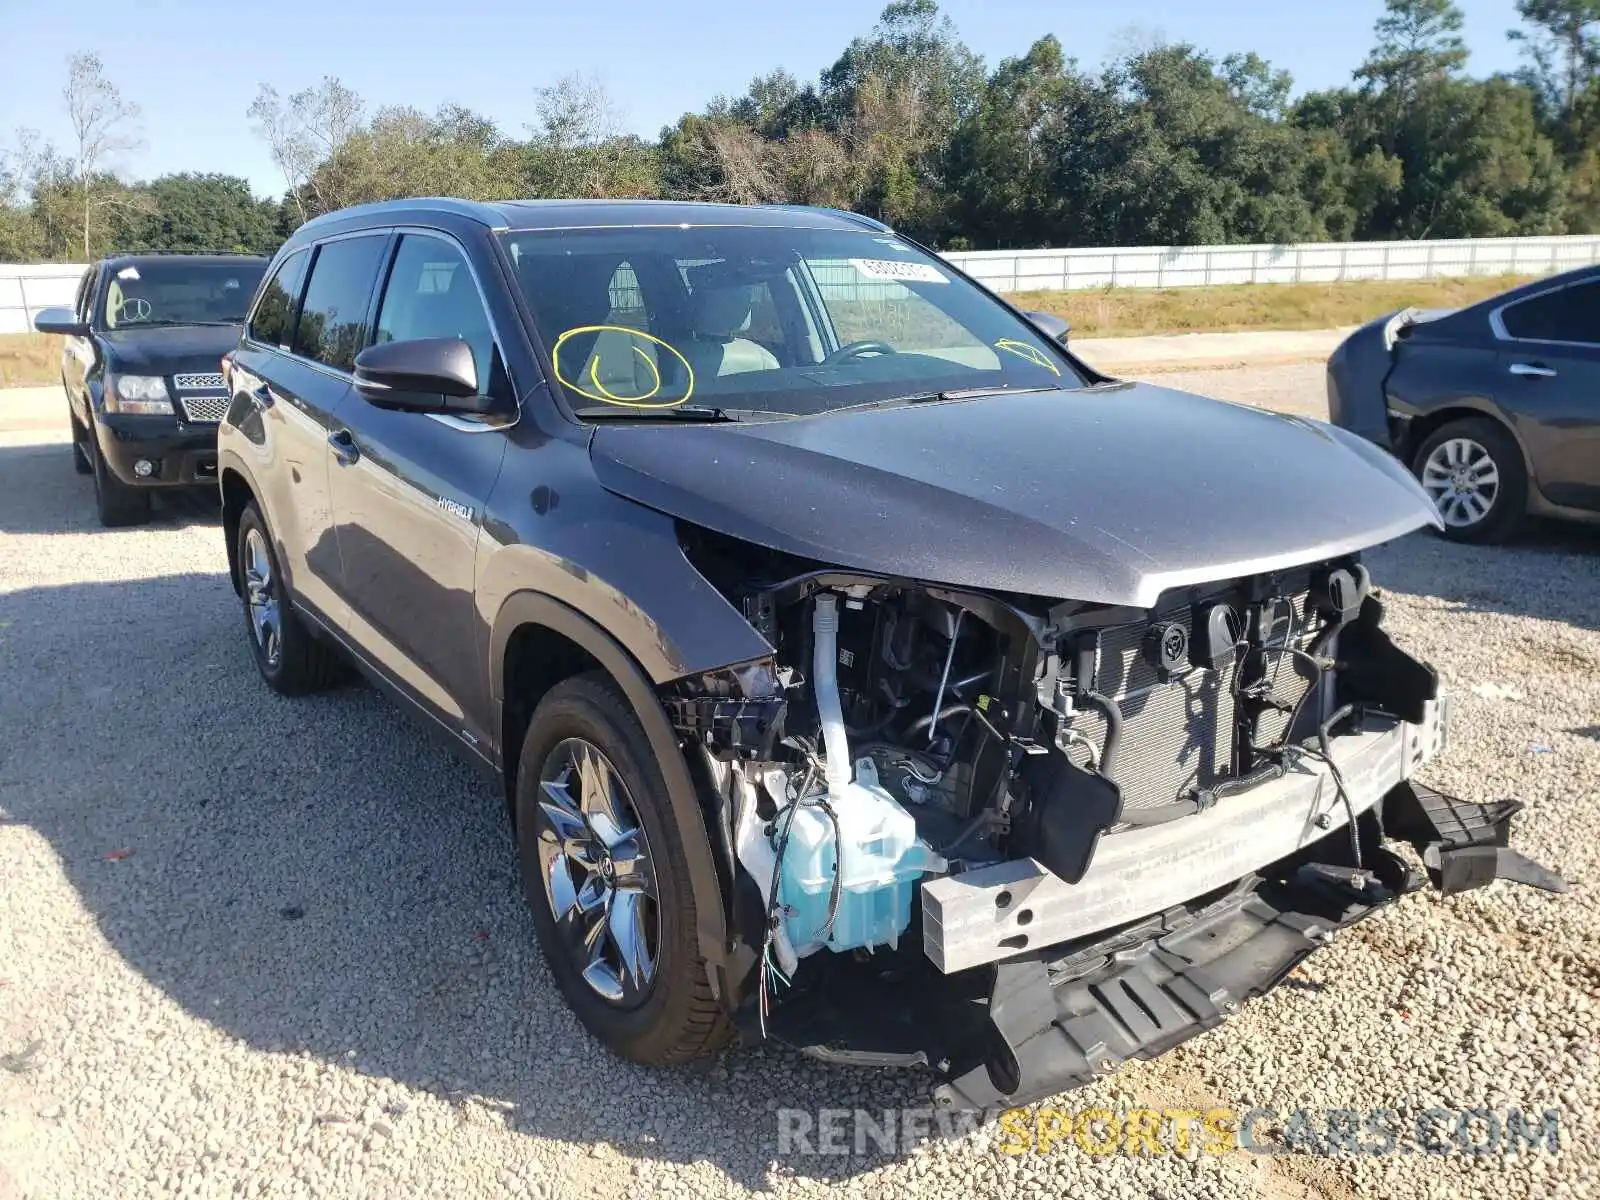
[193, 68]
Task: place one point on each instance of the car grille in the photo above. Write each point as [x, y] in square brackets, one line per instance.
[1176, 735]
[204, 409]
[212, 382]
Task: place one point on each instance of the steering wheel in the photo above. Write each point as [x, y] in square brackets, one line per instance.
[855, 350]
[133, 310]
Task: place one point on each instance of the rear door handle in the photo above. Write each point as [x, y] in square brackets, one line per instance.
[261, 397]
[344, 447]
[1538, 370]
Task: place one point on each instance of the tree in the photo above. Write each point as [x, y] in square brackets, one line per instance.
[579, 147]
[202, 212]
[104, 127]
[30, 166]
[405, 152]
[1563, 49]
[1002, 158]
[303, 131]
[1429, 152]
[1419, 42]
[896, 97]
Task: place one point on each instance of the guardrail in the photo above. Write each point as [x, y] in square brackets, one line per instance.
[24, 290]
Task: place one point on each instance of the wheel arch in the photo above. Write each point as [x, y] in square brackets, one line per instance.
[236, 495]
[536, 642]
[1425, 425]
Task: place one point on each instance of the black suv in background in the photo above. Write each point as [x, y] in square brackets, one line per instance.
[861, 669]
[145, 340]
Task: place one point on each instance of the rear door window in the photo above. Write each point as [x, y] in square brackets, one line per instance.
[273, 320]
[1571, 314]
[333, 317]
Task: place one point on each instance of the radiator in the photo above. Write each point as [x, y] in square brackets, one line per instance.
[1177, 735]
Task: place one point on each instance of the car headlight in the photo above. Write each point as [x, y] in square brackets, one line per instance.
[137, 394]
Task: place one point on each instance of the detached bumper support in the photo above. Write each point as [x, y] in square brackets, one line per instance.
[1059, 1025]
[1051, 1032]
[1463, 845]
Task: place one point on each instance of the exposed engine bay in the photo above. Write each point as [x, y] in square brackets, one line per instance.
[924, 781]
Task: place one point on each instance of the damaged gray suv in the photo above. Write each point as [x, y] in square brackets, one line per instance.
[862, 670]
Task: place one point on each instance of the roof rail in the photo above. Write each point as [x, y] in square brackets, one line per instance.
[854, 218]
[201, 253]
[484, 214]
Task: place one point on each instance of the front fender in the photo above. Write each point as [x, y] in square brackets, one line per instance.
[530, 608]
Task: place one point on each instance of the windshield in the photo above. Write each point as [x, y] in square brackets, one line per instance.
[783, 321]
[182, 293]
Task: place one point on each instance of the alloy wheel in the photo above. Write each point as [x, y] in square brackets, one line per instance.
[594, 860]
[1462, 478]
[261, 594]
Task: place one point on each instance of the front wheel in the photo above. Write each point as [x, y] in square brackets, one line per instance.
[1474, 472]
[606, 877]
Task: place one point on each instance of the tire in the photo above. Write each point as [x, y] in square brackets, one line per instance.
[1473, 452]
[80, 447]
[116, 503]
[291, 659]
[656, 1007]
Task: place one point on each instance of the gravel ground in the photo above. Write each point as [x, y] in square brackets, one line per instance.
[255, 946]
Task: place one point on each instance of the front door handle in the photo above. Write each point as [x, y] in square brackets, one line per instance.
[1538, 370]
[344, 447]
[261, 397]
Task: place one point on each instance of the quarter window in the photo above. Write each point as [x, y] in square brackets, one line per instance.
[272, 320]
[333, 318]
[1571, 314]
[431, 294]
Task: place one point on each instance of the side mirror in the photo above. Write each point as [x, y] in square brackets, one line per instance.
[426, 375]
[1052, 326]
[60, 319]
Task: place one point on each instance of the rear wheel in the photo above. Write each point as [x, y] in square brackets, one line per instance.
[1474, 472]
[605, 874]
[115, 502]
[289, 656]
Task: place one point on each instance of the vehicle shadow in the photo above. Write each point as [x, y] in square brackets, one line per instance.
[315, 876]
[45, 495]
[1495, 579]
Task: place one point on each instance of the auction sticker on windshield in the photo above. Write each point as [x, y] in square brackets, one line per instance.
[899, 272]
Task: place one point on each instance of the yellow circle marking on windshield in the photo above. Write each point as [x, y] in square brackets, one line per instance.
[1032, 353]
[607, 397]
[611, 397]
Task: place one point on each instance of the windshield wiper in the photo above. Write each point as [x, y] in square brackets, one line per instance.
[678, 412]
[969, 393]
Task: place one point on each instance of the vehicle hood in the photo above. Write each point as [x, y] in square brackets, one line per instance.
[168, 349]
[1110, 494]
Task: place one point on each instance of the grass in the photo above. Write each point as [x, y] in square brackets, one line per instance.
[29, 359]
[1128, 312]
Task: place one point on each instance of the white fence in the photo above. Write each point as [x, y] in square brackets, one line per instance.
[24, 290]
[1311, 262]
